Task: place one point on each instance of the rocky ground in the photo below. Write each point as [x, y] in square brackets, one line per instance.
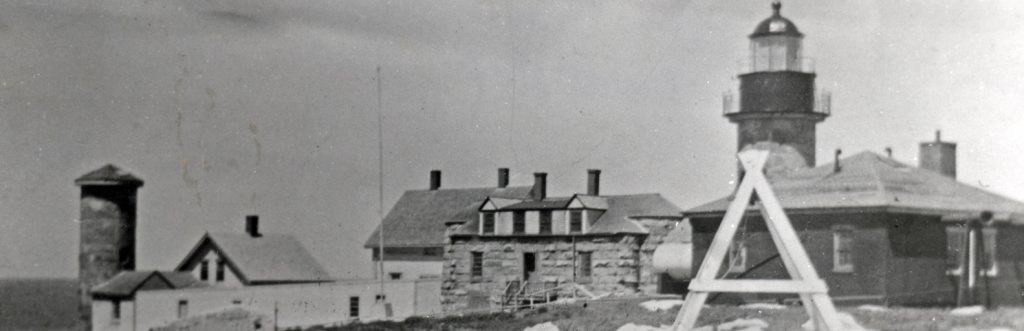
[639, 314]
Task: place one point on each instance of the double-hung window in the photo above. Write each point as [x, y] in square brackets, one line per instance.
[545, 222]
[220, 269]
[518, 222]
[477, 265]
[842, 249]
[204, 270]
[584, 265]
[575, 221]
[488, 223]
[956, 245]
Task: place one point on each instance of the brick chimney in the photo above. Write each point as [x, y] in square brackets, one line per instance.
[435, 180]
[502, 177]
[540, 185]
[593, 182]
[938, 156]
[252, 225]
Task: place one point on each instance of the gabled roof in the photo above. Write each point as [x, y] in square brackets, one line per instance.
[592, 202]
[126, 283]
[498, 203]
[420, 217]
[870, 181]
[269, 258]
[619, 217]
[108, 175]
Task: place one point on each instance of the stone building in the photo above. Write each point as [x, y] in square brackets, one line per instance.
[541, 244]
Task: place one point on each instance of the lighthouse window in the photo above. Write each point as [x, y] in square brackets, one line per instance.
[776, 26]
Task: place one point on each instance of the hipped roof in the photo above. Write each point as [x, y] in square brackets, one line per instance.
[868, 181]
[108, 175]
[420, 217]
[268, 258]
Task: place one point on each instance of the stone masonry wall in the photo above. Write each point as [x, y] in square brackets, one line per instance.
[615, 266]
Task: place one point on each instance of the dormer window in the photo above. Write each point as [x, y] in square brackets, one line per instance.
[545, 222]
[575, 221]
[488, 223]
[518, 222]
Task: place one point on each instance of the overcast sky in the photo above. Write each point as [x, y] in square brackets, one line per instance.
[227, 108]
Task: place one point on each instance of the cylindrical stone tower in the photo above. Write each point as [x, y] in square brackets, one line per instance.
[777, 97]
[107, 230]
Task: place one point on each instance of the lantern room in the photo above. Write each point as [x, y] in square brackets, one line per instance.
[775, 45]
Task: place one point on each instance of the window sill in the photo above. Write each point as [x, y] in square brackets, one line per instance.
[843, 270]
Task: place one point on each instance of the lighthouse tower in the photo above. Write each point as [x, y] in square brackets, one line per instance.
[777, 101]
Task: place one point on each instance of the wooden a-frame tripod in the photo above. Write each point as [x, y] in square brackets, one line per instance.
[804, 279]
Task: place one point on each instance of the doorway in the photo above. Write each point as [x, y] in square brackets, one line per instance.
[529, 265]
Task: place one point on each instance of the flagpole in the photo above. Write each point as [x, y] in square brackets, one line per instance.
[380, 186]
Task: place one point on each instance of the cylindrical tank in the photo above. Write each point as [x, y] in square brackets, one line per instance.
[674, 259]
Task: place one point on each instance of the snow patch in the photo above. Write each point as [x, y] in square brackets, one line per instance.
[875, 308]
[846, 322]
[765, 306]
[967, 311]
[743, 324]
[546, 326]
[635, 327]
[660, 305]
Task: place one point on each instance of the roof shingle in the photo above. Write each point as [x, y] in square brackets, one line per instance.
[108, 175]
[619, 217]
[420, 217]
[869, 180]
[269, 258]
[126, 283]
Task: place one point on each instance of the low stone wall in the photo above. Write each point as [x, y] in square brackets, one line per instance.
[616, 266]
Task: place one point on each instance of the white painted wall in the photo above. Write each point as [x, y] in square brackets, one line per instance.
[412, 270]
[295, 305]
[102, 315]
[532, 222]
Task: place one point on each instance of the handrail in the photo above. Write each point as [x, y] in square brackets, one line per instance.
[822, 103]
[549, 289]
